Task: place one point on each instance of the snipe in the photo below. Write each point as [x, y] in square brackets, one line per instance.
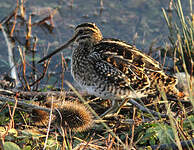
[112, 69]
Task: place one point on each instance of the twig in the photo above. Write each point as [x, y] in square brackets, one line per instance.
[6, 19]
[4, 99]
[15, 17]
[132, 129]
[23, 59]
[144, 109]
[11, 123]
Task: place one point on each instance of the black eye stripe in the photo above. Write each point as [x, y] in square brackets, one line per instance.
[86, 25]
[85, 31]
[84, 37]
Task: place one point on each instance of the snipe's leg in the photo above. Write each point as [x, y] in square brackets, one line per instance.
[121, 105]
[111, 110]
[115, 109]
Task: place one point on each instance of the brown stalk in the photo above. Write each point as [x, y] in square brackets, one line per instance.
[22, 9]
[13, 112]
[22, 55]
[15, 17]
[87, 144]
[180, 129]
[11, 123]
[29, 32]
[132, 129]
[29, 29]
[50, 18]
[111, 142]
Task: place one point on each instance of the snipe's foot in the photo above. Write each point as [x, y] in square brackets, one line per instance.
[111, 111]
[115, 109]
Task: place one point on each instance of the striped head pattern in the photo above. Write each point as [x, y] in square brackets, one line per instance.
[87, 32]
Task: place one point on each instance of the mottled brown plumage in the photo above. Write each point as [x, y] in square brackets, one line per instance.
[113, 69]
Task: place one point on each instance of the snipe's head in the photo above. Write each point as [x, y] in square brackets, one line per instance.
[87, 32]
[84, 33]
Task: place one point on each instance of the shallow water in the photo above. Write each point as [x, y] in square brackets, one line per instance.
[138, 22]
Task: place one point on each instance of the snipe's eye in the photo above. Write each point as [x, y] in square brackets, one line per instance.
[80, 32]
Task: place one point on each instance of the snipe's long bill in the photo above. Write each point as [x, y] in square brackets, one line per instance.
[112, 69]
[57, 50]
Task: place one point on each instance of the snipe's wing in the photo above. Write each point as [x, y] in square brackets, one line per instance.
[128, 67]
